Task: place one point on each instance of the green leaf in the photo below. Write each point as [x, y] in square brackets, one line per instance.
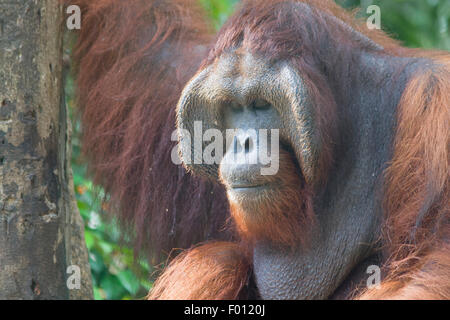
[90, 239]
[129, 281]
[113, 288]
[99, 294]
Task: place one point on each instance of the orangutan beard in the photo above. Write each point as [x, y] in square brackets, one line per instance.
[280, 211]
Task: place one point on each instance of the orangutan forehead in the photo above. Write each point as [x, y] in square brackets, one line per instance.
[241, 63]
[239, 75]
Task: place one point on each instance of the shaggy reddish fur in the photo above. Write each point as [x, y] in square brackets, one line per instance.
[133, 62]
[134, 58]
[417, 212]
[216, 270]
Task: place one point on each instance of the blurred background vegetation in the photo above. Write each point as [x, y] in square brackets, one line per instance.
[115, 273]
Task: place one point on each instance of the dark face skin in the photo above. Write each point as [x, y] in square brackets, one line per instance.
[243, 91]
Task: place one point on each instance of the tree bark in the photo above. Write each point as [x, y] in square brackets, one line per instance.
[41, 231]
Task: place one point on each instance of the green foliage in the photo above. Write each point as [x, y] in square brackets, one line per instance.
[416, 23]
[115, 273]
[219, 10]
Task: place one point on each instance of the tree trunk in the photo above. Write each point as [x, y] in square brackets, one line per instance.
[41, 231]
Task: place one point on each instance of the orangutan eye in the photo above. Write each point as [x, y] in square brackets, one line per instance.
[261, 104]
[235, 107]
